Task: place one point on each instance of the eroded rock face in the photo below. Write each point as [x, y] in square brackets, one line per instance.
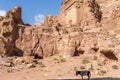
[35, 41]
[111, 14]
[9, 31]
[85, 13]
[15, 14]
[47, 41]
[92, 33]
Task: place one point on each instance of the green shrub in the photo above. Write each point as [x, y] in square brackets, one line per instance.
[82, 67]
[85, 61]
[62, 59]
[65, 31]
[9, 70]
[91, 68]
[98, 69]
[41, 64]
[102, 72]
[115, 67]
[99, 64]
[75, 68]
[45, 30]
[95, 58]
[55, 59]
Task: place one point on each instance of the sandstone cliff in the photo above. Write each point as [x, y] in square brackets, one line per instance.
[97, 32]
[9, 27]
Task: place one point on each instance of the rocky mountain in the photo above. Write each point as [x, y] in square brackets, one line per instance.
[81, 27]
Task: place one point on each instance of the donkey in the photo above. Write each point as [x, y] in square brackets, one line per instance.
[84, 73]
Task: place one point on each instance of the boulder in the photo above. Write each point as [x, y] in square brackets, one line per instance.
[30, 65]
[21, 60]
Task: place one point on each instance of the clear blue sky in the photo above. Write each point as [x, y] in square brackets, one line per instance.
[32, 8]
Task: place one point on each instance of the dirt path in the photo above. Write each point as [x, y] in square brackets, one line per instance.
[107, 78]
[57, 68]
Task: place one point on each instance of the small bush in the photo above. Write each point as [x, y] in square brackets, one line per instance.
[102, 72]
[115, 67]
[95, 58]
[85, 61]
[99, 74]
[41, 64]
[82, 67]
[99, 64]
[91, 68]
[98, 69]
[62, 59]
[45, 30]
[75, 68]
[65, 31]
[9, 70]
[56, 59]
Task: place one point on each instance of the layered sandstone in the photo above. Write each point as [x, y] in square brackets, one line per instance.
[9, 26]
[81, 27]
[85, 13]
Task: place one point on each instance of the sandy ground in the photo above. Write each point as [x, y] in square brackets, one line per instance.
[57, 68]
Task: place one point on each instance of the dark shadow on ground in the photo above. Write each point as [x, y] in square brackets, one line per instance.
[107, 78]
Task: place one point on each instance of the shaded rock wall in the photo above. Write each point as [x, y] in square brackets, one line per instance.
[33, 41]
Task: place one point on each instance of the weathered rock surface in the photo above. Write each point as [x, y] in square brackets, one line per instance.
[96, 30]
[9, 27]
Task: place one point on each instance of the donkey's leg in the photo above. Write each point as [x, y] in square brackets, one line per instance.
[89, 75]
[82, 77]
